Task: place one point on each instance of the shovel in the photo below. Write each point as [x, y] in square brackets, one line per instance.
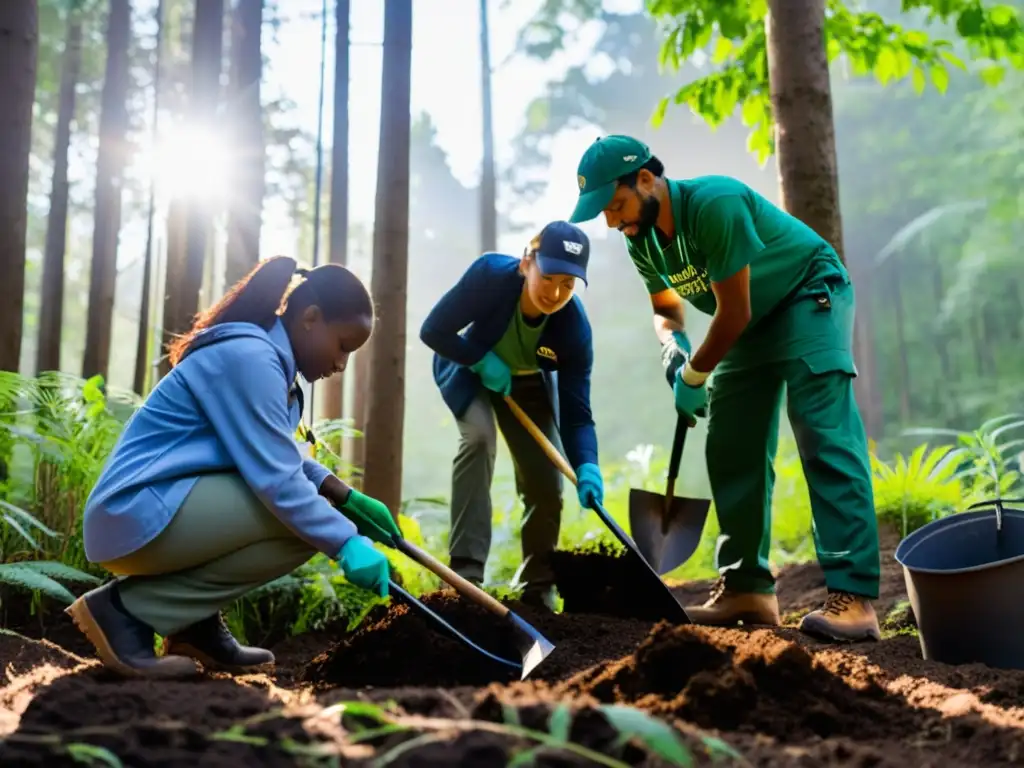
[673, 611]
[667, 528]
[532, 645]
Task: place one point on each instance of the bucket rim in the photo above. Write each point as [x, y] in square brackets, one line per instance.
[972, 515]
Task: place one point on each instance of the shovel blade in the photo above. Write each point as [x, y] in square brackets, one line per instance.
[533, 646]
[666, 542]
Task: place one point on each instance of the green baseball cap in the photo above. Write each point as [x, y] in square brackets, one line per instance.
[606, 160]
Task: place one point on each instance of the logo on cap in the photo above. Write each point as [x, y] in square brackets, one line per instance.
[582, 181]
[629, 158]
[574, 248]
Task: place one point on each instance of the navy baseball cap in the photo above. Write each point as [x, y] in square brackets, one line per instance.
[564, 249]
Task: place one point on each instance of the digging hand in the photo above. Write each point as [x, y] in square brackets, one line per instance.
[691, 401]
[674, 354]
[589, 485]
[364, 566]
[494, 373]
[372, 518]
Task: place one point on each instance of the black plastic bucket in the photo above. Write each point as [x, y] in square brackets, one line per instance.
[964, 577]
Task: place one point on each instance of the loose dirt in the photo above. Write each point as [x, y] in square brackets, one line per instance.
[776, 697]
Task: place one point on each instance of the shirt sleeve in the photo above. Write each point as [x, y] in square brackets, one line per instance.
[576, 420]
[243, 391]
[726, 235]
[653, 282]
[316, 472]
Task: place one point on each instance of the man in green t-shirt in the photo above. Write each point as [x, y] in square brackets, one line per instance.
[782, 307]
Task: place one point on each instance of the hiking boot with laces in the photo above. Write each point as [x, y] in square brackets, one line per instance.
[843, 617]
[726, 607]
[211, 643]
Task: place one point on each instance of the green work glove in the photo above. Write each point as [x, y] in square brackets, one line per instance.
[364, 566]
[372, 518]
[674, 354]
[495, 375]
[690, 401]
[589, 486]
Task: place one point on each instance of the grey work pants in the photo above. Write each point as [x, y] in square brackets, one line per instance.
[538, 481]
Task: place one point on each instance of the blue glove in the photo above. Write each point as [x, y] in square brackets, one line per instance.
[589, 485]
[364, 566]
[495, 375]
[690, 401]
[674, 354]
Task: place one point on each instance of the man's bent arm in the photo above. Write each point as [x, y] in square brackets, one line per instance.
[668, 314]
[732, 316]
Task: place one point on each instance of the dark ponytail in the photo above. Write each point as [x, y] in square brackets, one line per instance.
[258, 298]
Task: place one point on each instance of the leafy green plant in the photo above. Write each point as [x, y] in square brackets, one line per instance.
[983, 458]
[45, 577]
[916, 489]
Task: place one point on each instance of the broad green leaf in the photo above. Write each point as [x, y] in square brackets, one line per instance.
[993, 75]
[89, 754]
[918, 79]
[658, 116]
[656, 735]
[940, 78]
[17, 575]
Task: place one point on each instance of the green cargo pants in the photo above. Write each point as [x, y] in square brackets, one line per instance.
[222, 543]
[743, 425]
[538, 481]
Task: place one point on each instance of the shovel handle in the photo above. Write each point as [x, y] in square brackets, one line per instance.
[464, 586]
[678, 441]
[542, 440]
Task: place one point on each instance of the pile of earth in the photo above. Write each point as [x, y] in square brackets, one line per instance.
[775, 696]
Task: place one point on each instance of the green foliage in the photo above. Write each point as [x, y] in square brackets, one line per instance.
[45, 577]
[911, 491]
[732, 36]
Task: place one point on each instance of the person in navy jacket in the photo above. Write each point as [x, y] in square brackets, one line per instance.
[207, 494]
[528, 337]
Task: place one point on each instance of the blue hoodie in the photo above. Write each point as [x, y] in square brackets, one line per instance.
[229, 406]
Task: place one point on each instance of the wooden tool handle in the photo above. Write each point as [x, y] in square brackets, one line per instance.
[542, 440]
[465, 587]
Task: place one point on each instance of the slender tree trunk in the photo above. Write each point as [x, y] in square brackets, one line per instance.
[245, 215]
[902, 355]
[334, 387]
[941, 339]
[51, 310]
[488, 184]
[386, 393]
[175, 273]
[142, 348]
[19, 45]
[107, 212]
[207, 49]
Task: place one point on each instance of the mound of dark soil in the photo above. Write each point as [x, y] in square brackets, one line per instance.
[398, 646]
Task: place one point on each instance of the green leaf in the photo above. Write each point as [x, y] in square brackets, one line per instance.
[918, 79]
[658, 116]
[657, 736]
[18, 575]
[993, 75]
[559, 722]
[940, 78]
[89, 754]
[58, 570]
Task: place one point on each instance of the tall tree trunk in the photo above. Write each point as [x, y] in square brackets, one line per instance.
[177, 257]
[488, 184]
[107, 211]
[19, 45]
[207, 50]
[142, 348]
[245, 214]
[334, 387]
[51, 310]
[386, 394]
[902, 355]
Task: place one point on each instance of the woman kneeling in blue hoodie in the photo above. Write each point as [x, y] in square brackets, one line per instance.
[524, 325]
[207, 494]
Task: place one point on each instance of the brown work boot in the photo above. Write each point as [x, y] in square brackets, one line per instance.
[843, 617]
[727, 608]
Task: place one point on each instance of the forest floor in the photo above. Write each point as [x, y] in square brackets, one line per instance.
[775, 696]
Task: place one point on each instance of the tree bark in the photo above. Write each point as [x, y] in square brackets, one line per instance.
[488, 184]
[334, 387]
[207, 49]
[142, 347]
[176, 260]
[386, 393]
[110, 163]
[245, 215]
[51, 310]
[19, 45]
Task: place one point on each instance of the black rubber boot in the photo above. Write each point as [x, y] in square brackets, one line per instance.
[211, 643]
[123, 643]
